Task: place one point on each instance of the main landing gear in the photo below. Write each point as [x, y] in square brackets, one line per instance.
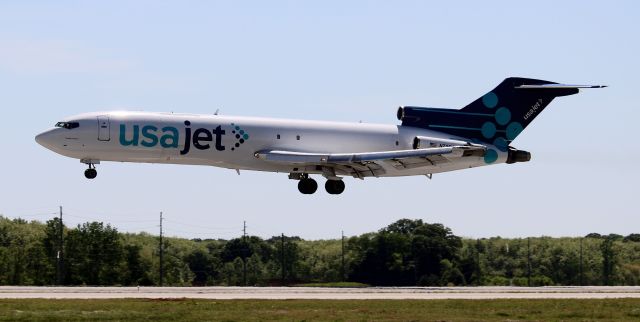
[91, 173]
[334, 187]
[309, 186]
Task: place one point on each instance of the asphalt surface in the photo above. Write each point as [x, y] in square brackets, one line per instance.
[426, 293]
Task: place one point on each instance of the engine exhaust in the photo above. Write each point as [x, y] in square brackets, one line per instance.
[515, 155]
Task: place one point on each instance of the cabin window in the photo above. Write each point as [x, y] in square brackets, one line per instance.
[68, 125]
[298, 137]
[397, 143]
[278, 136]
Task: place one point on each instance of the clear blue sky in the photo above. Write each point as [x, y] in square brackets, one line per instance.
[343, 60]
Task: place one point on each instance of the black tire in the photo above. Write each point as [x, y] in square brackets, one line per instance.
[90, 173]
[334, 187]
[307, 186]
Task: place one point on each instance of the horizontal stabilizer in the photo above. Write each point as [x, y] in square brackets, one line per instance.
[496, 117]
[558, 86]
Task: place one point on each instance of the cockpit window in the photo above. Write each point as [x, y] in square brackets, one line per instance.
[68, 125]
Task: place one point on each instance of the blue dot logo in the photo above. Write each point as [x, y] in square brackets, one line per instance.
[490, 100]
[501, 144]
[490, 156]
[503, 116]
[488, 130]
[513, 130]
[241, 136]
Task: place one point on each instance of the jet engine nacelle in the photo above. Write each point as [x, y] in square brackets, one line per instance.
[514, 156]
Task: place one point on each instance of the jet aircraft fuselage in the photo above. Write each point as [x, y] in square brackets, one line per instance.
[232, 142]
[428, 141]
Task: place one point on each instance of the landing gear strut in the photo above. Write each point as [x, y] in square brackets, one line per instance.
[307, 185]
[91, 173]
[334, 187]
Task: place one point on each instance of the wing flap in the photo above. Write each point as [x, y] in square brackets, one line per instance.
[366, 157]
[373, 164]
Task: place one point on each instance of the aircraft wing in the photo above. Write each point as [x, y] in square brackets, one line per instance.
[365, 164]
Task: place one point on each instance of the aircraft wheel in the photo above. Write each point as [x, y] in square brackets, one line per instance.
[90, 173]
[307, 186]
[334, 187]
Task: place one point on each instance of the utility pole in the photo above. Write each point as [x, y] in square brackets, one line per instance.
[342, 270]
[581, 281]
[60, 257]
[161, 252]
[244, 252]
[478, 267]
[244, 229]
[282, 253]
[528, 261]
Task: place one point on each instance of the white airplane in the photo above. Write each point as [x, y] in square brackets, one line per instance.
[429, 140]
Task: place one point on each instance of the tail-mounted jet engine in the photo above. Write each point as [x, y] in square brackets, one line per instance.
[515, 155]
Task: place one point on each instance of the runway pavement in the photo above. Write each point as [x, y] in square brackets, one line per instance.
[426, 293]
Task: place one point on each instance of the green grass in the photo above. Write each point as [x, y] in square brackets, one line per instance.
[320, 310]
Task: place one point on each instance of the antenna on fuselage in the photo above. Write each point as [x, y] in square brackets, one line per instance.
[217, 111]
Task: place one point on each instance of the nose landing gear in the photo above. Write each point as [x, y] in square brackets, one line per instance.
[91, 173]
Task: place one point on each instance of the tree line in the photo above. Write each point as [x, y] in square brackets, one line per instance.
[405, 253]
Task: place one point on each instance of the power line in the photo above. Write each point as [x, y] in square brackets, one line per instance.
[112, 220]
[116, 221]
[33, 215]
[34, 210]
[110, 213]
[203, 227]
[170, 230]
[137, 229]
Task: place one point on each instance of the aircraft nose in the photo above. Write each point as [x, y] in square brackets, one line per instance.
[45, 138]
